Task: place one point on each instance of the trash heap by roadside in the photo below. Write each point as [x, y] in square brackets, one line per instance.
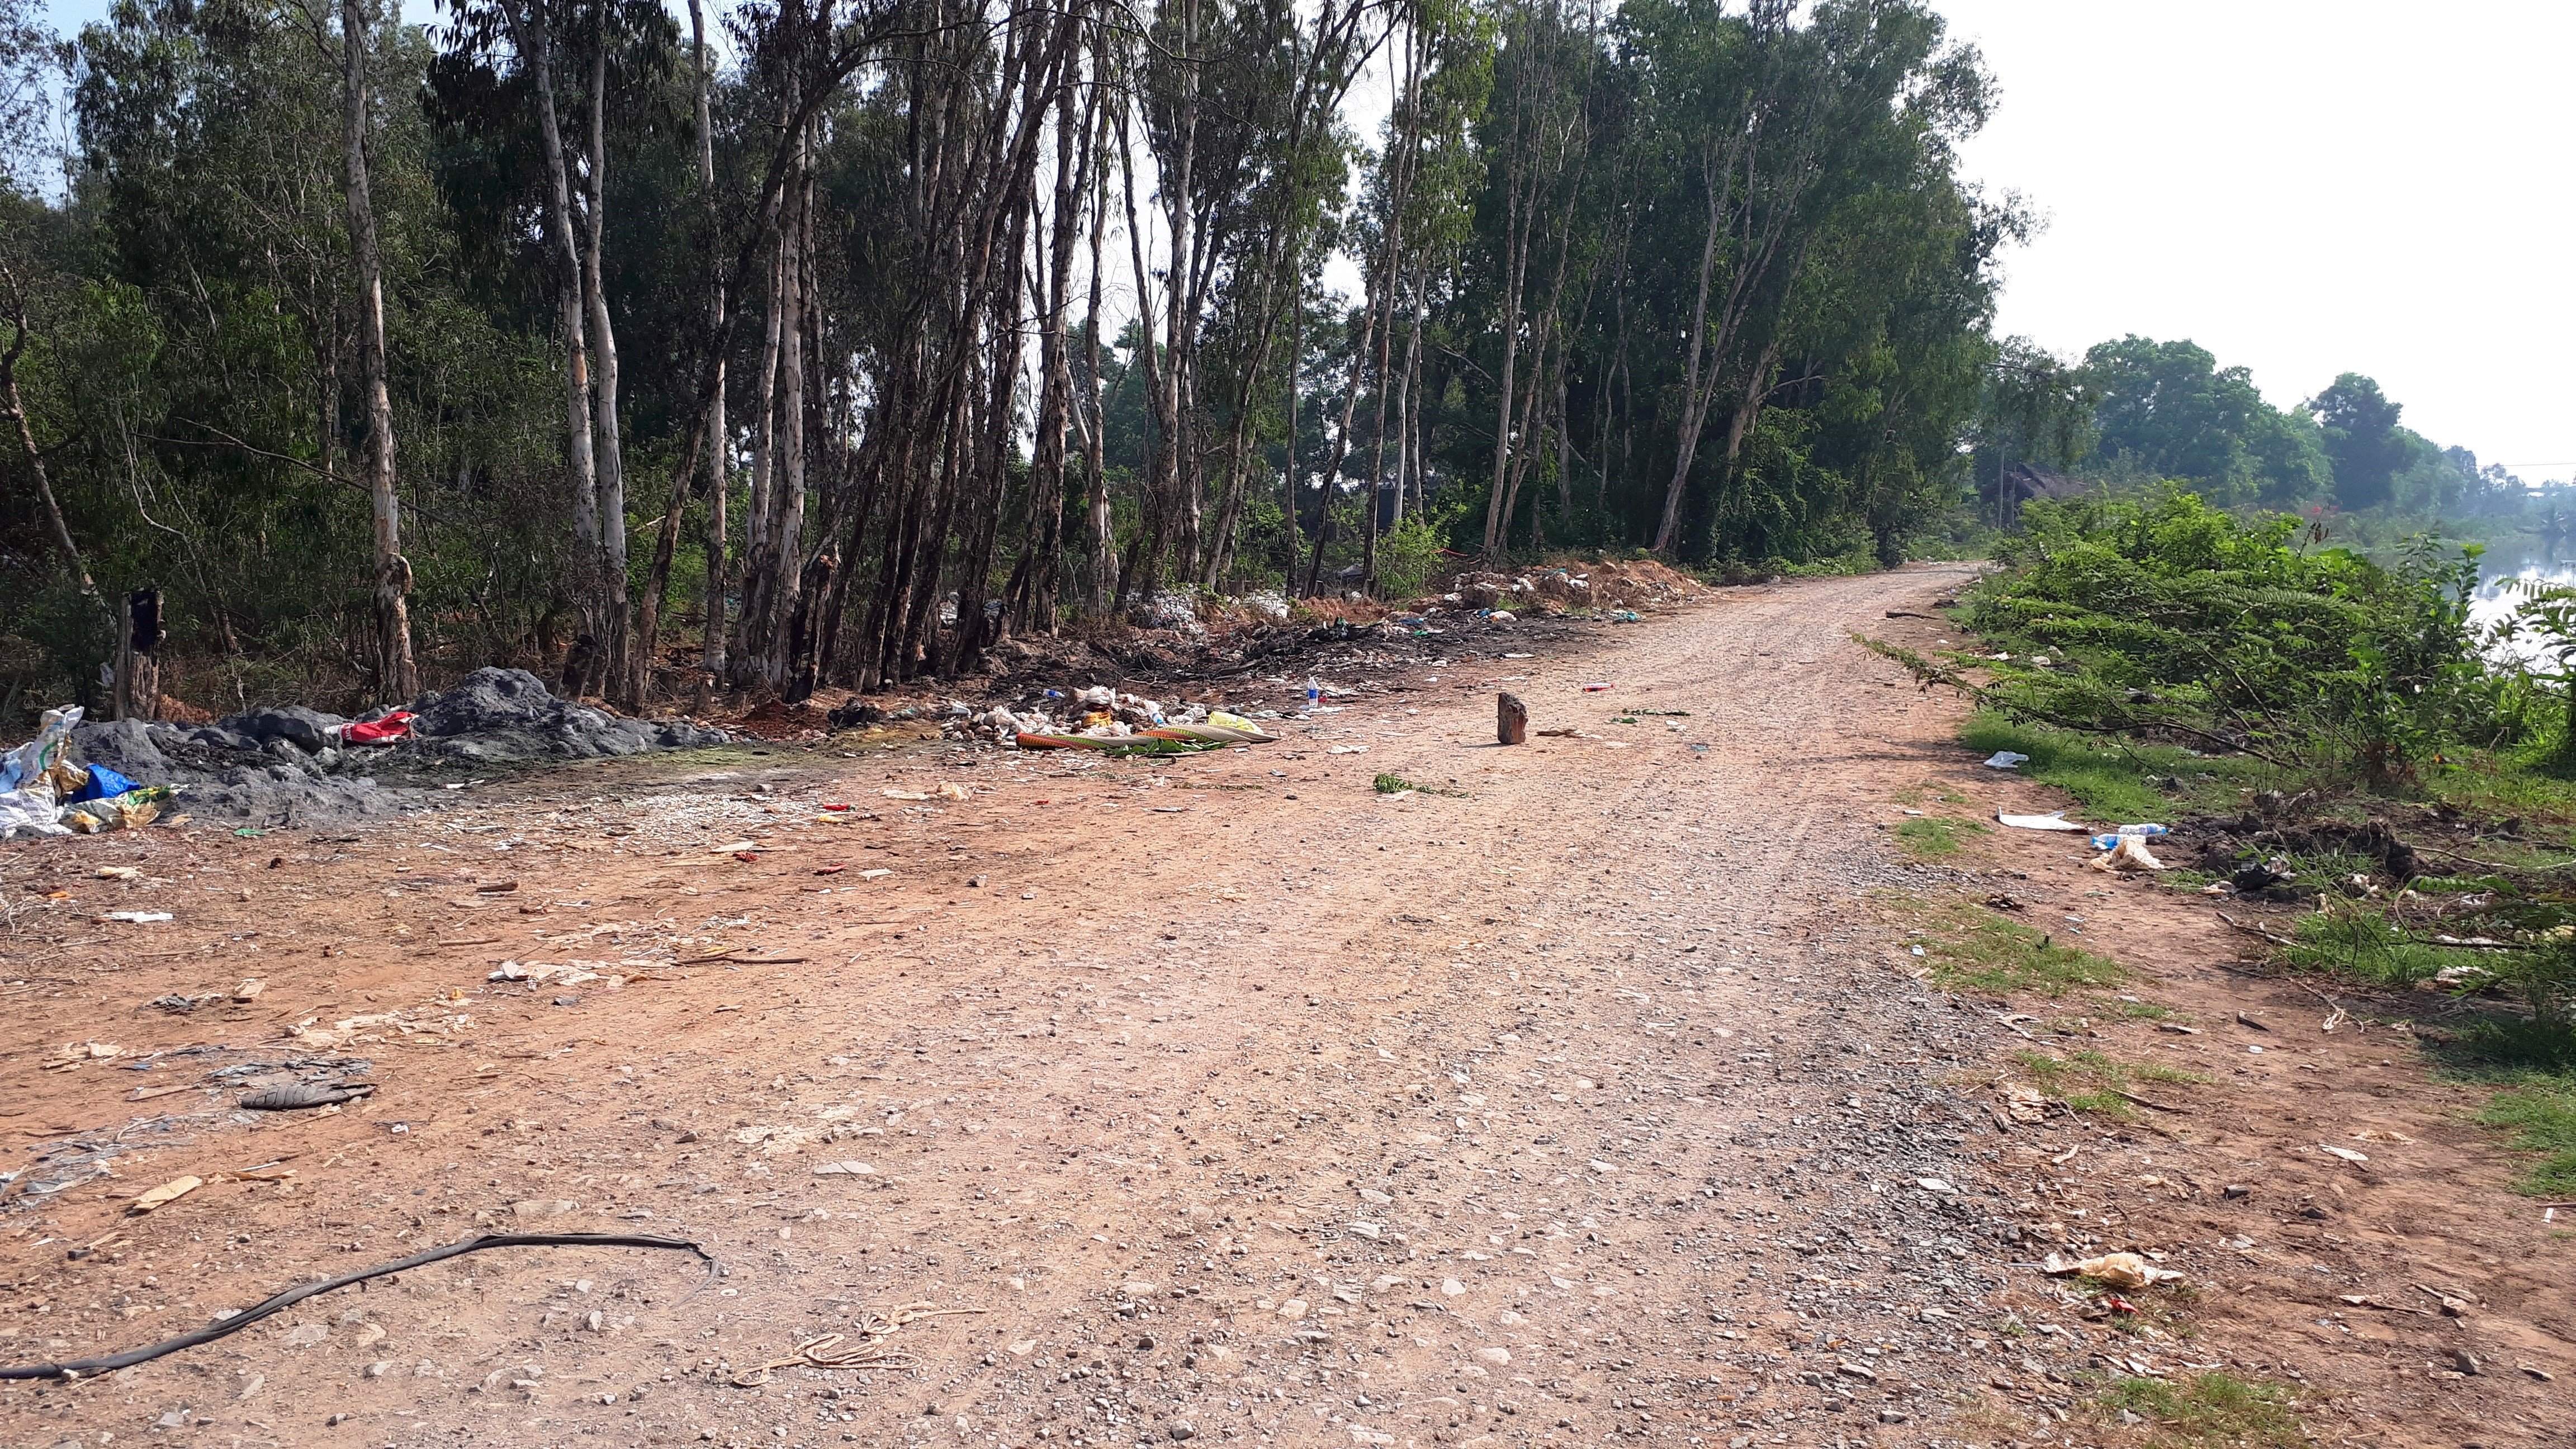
[1099, 717]
[290, 764]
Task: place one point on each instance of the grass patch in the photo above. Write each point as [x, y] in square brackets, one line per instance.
[1386, 784]
[1970, 948]
[2211, 1411]
[2541, 1114]
[2092, 1082]
[2356, 939]
[1931, 836]
[2117, 782]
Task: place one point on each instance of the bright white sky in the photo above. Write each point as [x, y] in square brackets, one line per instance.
[2304, 187]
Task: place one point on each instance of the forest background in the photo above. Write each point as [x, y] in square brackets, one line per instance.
[795, 345]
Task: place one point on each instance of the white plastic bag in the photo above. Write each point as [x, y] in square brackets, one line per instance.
[28, 805]
[27, 764]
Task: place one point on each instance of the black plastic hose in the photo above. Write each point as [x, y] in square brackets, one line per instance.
[293, 1296]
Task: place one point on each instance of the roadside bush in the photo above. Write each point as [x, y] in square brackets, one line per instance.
[2173, 621]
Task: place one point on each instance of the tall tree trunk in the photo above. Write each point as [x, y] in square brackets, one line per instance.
[534, 42]
[1102, 537]
[603, 343]
[1296, 364]
[719, 445]
[35, 456]
[757, 572]
[1035, 607]
[533, 35]
[708, 439]
[394, 672]
[787, 489]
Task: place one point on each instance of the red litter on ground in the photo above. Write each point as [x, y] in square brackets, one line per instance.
[835, 868]
[1594, 688]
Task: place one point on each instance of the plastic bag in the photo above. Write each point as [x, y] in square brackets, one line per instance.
[23, 765]
[130, 811]
[30, 812]
[100, 783]
[2128, 852]
[377, 731]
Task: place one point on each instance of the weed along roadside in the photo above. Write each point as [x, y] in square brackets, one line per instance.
[2309, 1046]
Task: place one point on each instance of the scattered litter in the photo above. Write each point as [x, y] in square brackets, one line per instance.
[129, 810]
[2025, 1103]
[1348, 750]
[299, 1095]
[167, 1192]
[2127, 852]
[250, 989]
[2346, 1153]
[2053, 820]
[117, 872]
[2006, 760]
[953, 791]
[905, 794]
[844, 1169]
[380, 731]
[875, 1334]
[2128, 1270]
[1595, 688]
[29, 789]
[138, 918]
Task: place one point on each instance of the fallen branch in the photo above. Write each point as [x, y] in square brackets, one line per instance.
[2256, 931]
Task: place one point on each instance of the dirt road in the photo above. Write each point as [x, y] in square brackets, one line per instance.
[1581, 1096]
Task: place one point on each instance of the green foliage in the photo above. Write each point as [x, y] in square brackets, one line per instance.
[1931, 837]
[2211, 1411]
[1408, 556]
[1971, 948]
[2089, 1081]
[2363, 439]
[2113, 778]
[2541, 1114]
[2169, 409]
[2170, 621]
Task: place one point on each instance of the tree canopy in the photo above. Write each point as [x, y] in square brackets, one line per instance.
[833, 341]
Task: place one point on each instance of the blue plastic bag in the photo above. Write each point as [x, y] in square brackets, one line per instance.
[103, 784]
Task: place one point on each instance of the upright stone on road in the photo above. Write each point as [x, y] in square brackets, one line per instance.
[1511, 719]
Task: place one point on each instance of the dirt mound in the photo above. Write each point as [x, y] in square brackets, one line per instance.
[509, 716]
[225, 773]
